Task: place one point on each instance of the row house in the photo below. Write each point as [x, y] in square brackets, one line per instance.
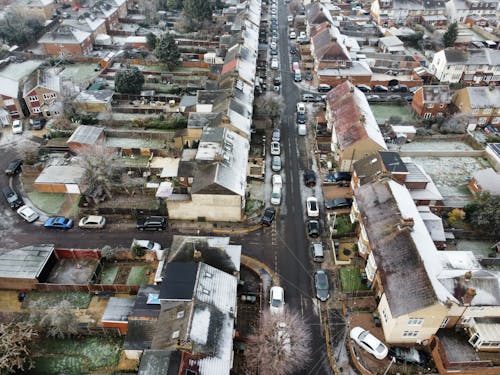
[42, 9]
[475, 66]
[419, 289]
[397, 12]
[481, 104]
[431, 101]
[88, 23]
[355, 131]
[42, 94]
[459, 10]
[66, 40]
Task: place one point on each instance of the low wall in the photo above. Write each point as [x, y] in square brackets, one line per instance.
[451, 153]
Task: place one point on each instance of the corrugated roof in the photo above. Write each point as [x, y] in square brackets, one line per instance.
[60, 174]
[86, 134]
[118, 309]
[26, 262]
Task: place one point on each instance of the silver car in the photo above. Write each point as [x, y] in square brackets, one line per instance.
[276, 164]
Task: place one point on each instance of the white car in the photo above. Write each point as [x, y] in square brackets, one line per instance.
[27, 213]
[276, 195]
[293, 35]
[275, 148]
[274, 45]
[290, 18]
[275, 64]
[277, 180]
[301, 108]
[277, 300]
[369, 342]
[92, 222]
[301, 129]
[312, 207]
[17, 127]
[146, 244]
[303, 35]
[276, 163]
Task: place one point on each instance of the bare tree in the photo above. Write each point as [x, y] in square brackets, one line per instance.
[456, 124]
[59, 322]
[270, 106]
[14, 346]
[97, 163]
[280, 346]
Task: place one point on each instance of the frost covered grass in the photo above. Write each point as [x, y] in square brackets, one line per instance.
[49, 300]
[350, 278]
[139, 275]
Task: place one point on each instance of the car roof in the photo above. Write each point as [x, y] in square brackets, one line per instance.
[372, 341]
[94, 217]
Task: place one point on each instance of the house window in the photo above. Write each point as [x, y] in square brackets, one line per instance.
[36, 110]
[487, 111]
[444, 322]
[427, 115]
[482, 120]
[441, 106]
[410, 333]
[175, 334]
[384, 315]
[180, 314]
[415, 321]
[475, 111]
[51, 95]
[33, 98]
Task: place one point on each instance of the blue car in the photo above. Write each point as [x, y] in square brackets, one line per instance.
[58, 222]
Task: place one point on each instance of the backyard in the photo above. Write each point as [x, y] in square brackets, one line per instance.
[350, 279]
[383, 112]
[126, 273]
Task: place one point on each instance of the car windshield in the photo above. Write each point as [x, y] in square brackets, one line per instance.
[380, 348]
[313, 205]
[276, 302]
[150, 245]
[362, 335]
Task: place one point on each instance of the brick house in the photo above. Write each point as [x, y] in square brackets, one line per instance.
[355, 131]
[431, 101]
[66, 40]
[41, 91]
[9, 100]
[482, 104]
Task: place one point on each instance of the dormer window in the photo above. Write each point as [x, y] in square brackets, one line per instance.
[180, 314]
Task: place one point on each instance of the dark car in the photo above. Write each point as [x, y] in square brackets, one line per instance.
[307, 97]
[309, 177]
[409, 355]
[295, 58]
[380, 88]
[277, 81]
[274, 52]
[14, 167]
[334, 204]
[37, 123]
[338, 177]
[58, 222]
[12, 198]
[301, 118]
[313, 228]
[322, 286]
[158, 223]
[364, 88]
[294, 51]
[399, 88]
[268, 217]
[309, 75]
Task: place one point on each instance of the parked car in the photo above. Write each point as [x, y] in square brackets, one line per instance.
[293, 35]
[158, 223]
[409, 98]
[313, 228]
[399, 88]
[12, 198]
[58, 222]
[339, 177]
[275, 148]
[369, 342]
[338, 203]
[322, 286]
[409, 355]
[17, 127]
[301, 118]
[324, 87]
[92, 222]
[301, 129]
[268, 217]
[277, 81]
[276, 163]
[14, 167]
[276, 195]
[146, 244]
[308, 75]
[277, 180]
[307, 97]
[317, 252]
[373, 97]
[309, 177]
[294, 51]
[37, 123]
[277, 300]
[380, 88]
[394, 97]
[290, 19]
[274, 45]
[301, 107]
[364, 88]
[276, 136]
[274, 52]
[312, 207]
[275, 64]
[27, 213]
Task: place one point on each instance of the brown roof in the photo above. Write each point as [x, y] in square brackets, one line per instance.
[404, 277]
[326, 47]
[315, 14]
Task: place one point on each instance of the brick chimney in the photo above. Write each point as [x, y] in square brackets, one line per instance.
[406, 224]
[468, 296]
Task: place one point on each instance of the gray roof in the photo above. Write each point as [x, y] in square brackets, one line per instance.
[372, 166]
[140, 334]
[118, 309]
[60, 174]
[179, 281]
[47, 79]
[143, 309]
[479, 56]
[415, 174]
[65, 35]
[202, 119]
[160, 362]
[86, 134]
[495, 148]
[26, 262]
[489, 180]
[95, 96]
[404, 277]
[436, 94]
[484, 97]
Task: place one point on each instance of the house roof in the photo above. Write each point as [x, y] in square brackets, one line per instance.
[495, 148]
[86, 134]
[483, 97]
[433, 223]
[489, 180]
[118, 309]
[391, 41]
[327, 47]
[60, 174]
[179, 281]
[87, 24]
[215, 251]
[439, 94]
[144, 307]
[64, 34]
[140, 334]
[160, 362]
[26, 262]
[479, 56]
[352, 117]
[315, 13]
[95, 96]
[9, 87]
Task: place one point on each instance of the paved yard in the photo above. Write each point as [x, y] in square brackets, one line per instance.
[336, 191]
[436, 146]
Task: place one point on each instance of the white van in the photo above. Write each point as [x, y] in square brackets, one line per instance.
[301, 129]
[317, 252]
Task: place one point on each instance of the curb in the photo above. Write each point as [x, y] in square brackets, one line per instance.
[259, 268]
[237, 231]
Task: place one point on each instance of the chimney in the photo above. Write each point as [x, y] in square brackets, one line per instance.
[468, 276]
[468, 296]
[406, 224]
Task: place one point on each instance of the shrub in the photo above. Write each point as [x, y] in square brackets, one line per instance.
[455, 216]
[138, 251]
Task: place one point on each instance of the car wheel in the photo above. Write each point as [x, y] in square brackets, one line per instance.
[159, 230]
[141, 229]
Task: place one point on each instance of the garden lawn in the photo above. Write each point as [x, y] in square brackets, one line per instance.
[49, 300]
[139, 275]
[383, 112]
[350, 279]
[108, 274]
[47, 202]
